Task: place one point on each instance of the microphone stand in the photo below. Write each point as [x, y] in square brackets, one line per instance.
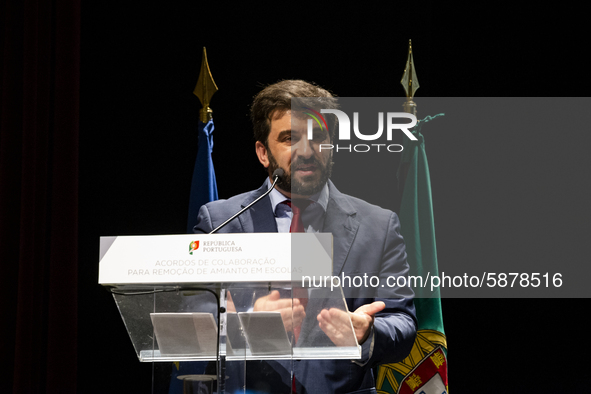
[221, 362]
[276, 176]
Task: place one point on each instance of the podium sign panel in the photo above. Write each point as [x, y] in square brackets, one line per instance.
[227, 258]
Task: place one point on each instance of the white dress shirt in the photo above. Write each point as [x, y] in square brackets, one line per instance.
[312, 216]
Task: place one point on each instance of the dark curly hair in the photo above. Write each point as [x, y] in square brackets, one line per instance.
[275, 100]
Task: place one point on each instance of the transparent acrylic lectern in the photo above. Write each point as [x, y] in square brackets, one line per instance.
[265, 311]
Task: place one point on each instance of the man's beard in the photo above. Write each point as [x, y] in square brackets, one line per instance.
[294, 186]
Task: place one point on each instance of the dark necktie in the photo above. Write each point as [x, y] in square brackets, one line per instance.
[297, 226]
[297, 207]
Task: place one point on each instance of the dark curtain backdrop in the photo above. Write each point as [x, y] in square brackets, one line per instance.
[39, 195]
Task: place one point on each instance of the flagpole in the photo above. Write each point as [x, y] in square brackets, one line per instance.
[203, 190]
[409, 82]
[205, 89]
[427, 361]
[203, 184]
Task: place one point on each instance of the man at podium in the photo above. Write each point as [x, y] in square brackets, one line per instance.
[366, 239]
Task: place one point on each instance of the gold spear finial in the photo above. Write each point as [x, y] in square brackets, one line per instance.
[204, 89]
[409, 82]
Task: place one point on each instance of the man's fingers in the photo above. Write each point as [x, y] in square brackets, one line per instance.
[335, 316]
[371, 309]
[335, 319]
[273, 296]
[298, 313]
[336, 325]
[325, 320]
[283, 303]
[324, 315]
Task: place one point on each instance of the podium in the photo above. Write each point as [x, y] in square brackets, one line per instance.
[237, 302]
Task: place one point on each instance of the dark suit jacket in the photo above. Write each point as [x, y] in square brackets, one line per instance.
[366, 240]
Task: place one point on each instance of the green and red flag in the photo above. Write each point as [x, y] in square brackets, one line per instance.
[425, 368]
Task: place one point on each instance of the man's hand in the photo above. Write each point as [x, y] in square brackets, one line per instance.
[335, 323]
[292, 311]
[230, 307]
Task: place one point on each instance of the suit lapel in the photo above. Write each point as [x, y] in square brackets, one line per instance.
[341, 222]
[259, 218]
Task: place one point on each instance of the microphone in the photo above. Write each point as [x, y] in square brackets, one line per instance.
[277, 174]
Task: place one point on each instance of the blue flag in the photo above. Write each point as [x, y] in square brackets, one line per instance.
[203, 190]
[203, 187]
